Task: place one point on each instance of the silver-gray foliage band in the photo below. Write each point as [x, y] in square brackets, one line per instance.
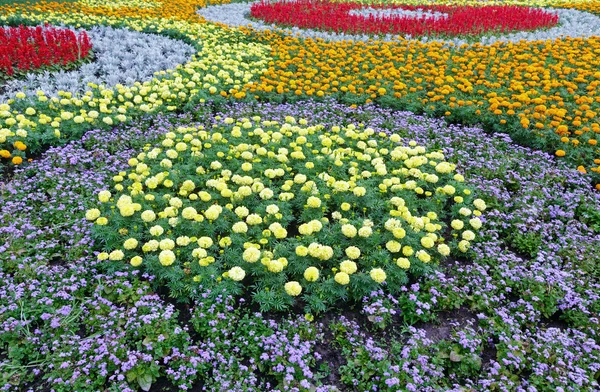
[121, 56]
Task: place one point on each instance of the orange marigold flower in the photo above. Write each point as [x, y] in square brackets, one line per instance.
[17, 160]
[560, 153]
[5, 154]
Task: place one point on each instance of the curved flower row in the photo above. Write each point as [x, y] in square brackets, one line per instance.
[450, 21]
[572, 23]
[120, 57]
[222, 66]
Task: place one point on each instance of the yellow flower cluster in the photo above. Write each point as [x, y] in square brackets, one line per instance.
[292, 200]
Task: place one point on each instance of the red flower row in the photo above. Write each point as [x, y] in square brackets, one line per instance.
[336, 17]
[29, 48]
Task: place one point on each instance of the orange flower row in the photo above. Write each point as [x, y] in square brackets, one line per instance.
[171, 9]
[546, 94]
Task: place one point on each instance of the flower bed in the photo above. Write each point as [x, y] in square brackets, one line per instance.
[449, 21]
[330, 213]
[24, 49]
[511, 290]
[415, 255]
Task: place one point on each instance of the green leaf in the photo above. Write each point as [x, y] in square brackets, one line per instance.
[455, 357]
[131, 375]
[145, 382]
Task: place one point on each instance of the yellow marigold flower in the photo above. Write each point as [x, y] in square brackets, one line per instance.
[403, 263]
[464, 245]
[205, 242]
[127, 210]
[116, 255]
[166, 258]
[136, 261]
[301, 250]
[272, 209]
[393, 246]
[457, 224]
[479, 204]
[427, 242]
[225, 242]
[464, 211]
[293, 288]
[236, 274]
[443, 168]
[348, 267]
[175, 202]
[342, 278]
[468, 235]
[449, 189]
[349, 230]
[313, 202]
[130, 243]
[183, 241]
[311, 274]
[345, 206]
[241, 212]
[213, 212]
[204, 196]
[104, 196]
[353, 252]
[102, 256]
[166, 244]
[157, 230]
[365, 232]
[92, 214]
[378, 275]
[280, 233]
[399, 232]
[150, 246]
[251, 255]
[148, 216]
[199, 253]
[443, 249]
[239, 227]
[305, 229]
[407, 251]
[423, 256]
[274, 266]
[102, 221]
[299, 178]
[254, 219]
[325, 253]
[315, 225]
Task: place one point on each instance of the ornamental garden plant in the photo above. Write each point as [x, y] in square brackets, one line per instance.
[300, 196]
[327, 213]
[24, 49]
